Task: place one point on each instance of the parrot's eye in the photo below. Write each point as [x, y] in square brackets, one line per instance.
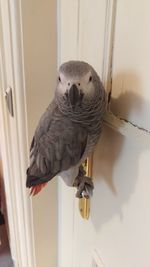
[90, 79]
[59, 79]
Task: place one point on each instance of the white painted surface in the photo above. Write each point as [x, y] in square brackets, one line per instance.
[129, 130]
[13, 138]
[68, 36]
[68, 23]
[91, 32]
[118, 227]
[119, 223]
[96, 259]
[131, 62]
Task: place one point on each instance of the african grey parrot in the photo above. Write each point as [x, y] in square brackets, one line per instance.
[68, 130]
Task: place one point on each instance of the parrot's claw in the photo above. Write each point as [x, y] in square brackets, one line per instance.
[85, 187]
[36, 189]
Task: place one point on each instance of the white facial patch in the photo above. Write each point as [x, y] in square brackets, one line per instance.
[83, 83]
[86, 84]
[63, 84]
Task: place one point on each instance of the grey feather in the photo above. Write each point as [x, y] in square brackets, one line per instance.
[57, 148]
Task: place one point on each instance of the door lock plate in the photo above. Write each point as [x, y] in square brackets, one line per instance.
[9, 100]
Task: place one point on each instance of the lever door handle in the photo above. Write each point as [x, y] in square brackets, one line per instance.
[84, 203]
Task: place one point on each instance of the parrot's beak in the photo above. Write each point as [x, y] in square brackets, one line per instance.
[74, 95]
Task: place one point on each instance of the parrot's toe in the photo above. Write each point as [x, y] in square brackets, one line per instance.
[85, 188]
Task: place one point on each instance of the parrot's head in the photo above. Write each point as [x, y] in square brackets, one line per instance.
[77, 84]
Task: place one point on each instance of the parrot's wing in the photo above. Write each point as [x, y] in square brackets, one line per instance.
[56, 147]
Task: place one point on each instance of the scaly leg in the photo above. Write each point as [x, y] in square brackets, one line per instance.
[84, 184]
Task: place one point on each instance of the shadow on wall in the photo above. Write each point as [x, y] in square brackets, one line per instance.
[129, 100]
[115, 164]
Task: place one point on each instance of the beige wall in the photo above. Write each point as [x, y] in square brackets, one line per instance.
[39, 30]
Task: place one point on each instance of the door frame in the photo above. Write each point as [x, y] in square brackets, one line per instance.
[19, 205]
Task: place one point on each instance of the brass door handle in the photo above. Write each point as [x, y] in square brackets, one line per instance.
[84, 203]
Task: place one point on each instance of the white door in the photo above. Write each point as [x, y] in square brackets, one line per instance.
[114, 36]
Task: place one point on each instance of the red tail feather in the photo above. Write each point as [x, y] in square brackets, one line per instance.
[35, 189]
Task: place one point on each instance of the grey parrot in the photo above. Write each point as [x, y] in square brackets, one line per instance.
[68, 130]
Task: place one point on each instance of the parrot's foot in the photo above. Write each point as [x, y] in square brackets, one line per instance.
[84, 186]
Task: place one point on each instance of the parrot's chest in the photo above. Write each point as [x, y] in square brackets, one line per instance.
[94, 131]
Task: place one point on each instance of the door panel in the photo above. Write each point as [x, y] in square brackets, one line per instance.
[92, 32]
